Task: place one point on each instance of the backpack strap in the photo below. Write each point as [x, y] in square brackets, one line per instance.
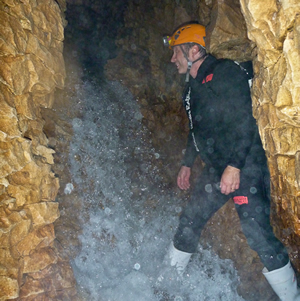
[247, 67]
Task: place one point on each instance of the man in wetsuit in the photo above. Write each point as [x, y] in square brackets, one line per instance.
[224, 134]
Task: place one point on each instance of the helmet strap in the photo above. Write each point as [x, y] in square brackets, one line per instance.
[187, 75]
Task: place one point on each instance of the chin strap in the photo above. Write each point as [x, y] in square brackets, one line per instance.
[187, 75]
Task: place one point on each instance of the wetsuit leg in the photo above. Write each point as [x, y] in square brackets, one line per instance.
[255, 216]
[205, 200]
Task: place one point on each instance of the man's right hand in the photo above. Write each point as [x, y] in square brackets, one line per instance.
[183, 178]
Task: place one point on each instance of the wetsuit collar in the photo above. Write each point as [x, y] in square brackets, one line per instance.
[204, 67]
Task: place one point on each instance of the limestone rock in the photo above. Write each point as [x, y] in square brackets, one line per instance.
[46, 153]
[8, 119]
[54, 281]
[32, 67]
[25, 106]
[227, 32]
[274, 27]
[32, 288]
[20, 230]
[33, 184]
[59, 275]
[14, 38]
[43, 213]
[14, 155]
[41, 237]
[38, 260]
[9, 288]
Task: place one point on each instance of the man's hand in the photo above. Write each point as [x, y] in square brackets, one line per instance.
[230, 180]
[183, 178]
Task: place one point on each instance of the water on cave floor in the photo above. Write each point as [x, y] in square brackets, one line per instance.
[129, 215]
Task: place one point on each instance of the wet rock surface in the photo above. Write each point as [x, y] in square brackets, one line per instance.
[32, 68]
[275, 106]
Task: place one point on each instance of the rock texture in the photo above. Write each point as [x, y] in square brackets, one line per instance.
[32, 266]
[274, 26]
[227, 32]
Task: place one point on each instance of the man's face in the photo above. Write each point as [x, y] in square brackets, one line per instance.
[179, 60]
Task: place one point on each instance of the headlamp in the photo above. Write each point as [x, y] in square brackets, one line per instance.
[167, 41]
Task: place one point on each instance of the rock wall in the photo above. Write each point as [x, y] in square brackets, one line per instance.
[31, 42]
[274, 26]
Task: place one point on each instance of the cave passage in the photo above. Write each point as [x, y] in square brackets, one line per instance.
[93, 31]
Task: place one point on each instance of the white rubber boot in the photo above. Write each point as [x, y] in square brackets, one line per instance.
[177, 259]
[284, 283]
[174, 260]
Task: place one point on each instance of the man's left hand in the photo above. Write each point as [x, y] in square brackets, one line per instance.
[230, 180]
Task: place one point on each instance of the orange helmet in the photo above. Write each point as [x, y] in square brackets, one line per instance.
[189, 33]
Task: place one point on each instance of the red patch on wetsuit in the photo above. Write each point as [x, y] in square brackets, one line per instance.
[208, 78]
[240, 200]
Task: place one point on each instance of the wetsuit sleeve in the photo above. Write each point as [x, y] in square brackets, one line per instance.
[239, 125]
[190, 152]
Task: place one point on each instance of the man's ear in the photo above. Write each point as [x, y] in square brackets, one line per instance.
[195, 50]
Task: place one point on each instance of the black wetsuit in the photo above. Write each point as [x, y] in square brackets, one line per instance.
[224, 132]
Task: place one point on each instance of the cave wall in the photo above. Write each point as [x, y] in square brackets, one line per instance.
[32, 266]
[274, 26]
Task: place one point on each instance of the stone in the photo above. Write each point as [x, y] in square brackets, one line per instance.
[9, 265]
[15, 155]
[32, 184]
[39, 259]
[43, 213]
[274, 27]
[9, 288]
[32, 67]
[19, 230]
[227, 32]
[14, 38]
[46, 153]
[8, 119]
[58, 276]
[40, 237]
[25, 106]
[32, 288]
[22, 195]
